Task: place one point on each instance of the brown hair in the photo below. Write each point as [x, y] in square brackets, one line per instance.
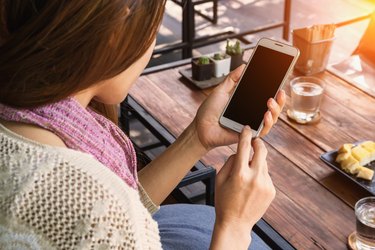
[52, 49]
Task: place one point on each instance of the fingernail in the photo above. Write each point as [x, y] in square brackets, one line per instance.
[247, 127]
[270, 103]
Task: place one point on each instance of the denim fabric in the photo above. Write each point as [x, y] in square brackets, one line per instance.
[185, 226]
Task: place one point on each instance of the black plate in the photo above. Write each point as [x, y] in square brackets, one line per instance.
[330, 158]
[188, 74]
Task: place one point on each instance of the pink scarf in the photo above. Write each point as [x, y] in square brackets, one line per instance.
[84, 130]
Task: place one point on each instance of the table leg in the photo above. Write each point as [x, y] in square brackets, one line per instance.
[214, 9]
[287, 9]
[188, 29]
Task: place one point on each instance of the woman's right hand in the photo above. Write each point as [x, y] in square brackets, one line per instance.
[244, 191]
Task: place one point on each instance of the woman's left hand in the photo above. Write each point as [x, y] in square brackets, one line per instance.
[206, 122]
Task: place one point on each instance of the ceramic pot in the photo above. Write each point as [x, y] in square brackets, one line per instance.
[201, 72]
[221, 67]
[236, 61]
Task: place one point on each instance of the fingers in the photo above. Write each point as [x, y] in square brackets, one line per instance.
[225, 170]
[275, 107]
[268, 122]
[281, 98]
[260, 154]
[231, 80]
[243, 149]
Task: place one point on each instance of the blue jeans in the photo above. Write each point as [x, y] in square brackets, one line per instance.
[184, 226]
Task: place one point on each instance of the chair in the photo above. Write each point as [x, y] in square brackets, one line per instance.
[212, 19]
[359, 68]
[189, 42]
[130, 109]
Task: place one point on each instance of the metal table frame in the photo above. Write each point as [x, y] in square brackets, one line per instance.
[189, 42]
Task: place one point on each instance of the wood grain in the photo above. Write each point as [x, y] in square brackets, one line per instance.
[348, 115]
[298, 150]
[313, 206]
[318, 205]
[344, 188]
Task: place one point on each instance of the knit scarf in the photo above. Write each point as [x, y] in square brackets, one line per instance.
[84, 130]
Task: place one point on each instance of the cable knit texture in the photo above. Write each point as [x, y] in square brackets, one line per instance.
[59, 198]
[84, 130]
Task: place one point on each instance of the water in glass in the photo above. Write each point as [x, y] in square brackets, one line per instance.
[365, 223]
[306, 97]
[365, 214]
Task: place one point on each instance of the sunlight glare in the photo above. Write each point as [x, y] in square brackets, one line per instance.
[356, 64]
[165, 31]
[361, 81]
[264, 2]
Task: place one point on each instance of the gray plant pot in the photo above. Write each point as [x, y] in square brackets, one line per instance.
[236, 61]
[201, 72]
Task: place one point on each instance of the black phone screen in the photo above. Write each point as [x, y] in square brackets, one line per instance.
[261, 80]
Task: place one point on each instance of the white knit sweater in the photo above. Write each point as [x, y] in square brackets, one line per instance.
[58, 198]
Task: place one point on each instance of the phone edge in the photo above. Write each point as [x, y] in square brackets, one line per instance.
[256, 133]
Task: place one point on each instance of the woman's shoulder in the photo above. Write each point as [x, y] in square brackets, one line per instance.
[27, 154]
[69, 196]
[33, 132]
[25, 159]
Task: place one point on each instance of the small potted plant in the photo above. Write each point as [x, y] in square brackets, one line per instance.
[202, 68]
[236, 53]
[221, 64]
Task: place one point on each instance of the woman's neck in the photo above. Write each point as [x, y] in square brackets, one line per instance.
[84, 97]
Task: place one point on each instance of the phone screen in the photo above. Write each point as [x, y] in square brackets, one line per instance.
[261, 80]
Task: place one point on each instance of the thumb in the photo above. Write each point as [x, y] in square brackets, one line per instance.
[236, 73]
[231, 80]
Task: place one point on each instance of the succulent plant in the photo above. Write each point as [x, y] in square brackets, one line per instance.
[234, 49]
[218, 56]
[204, 60]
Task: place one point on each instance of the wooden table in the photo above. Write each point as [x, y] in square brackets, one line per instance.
[313, 208]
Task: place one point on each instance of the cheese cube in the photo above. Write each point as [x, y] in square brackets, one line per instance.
[350, 165]
[369, 146]
[362, 155]
[346, 148]
[365, 173]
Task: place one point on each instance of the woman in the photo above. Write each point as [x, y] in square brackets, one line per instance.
[68, 175]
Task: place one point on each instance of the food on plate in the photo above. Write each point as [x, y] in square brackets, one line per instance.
[346, 148]
[370, 146]
[353, 158]
[362, 155]
[365, 173]
[350, 164]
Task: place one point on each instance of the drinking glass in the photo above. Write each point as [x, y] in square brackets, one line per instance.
[365, 223]
[306, 97]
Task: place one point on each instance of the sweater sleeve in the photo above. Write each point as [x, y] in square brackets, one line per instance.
[146, 200]
[73, 203]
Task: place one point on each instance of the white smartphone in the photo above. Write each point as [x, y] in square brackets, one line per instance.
[264, 75]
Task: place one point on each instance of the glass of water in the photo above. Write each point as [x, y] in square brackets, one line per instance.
[365, 223]
[306, 97]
